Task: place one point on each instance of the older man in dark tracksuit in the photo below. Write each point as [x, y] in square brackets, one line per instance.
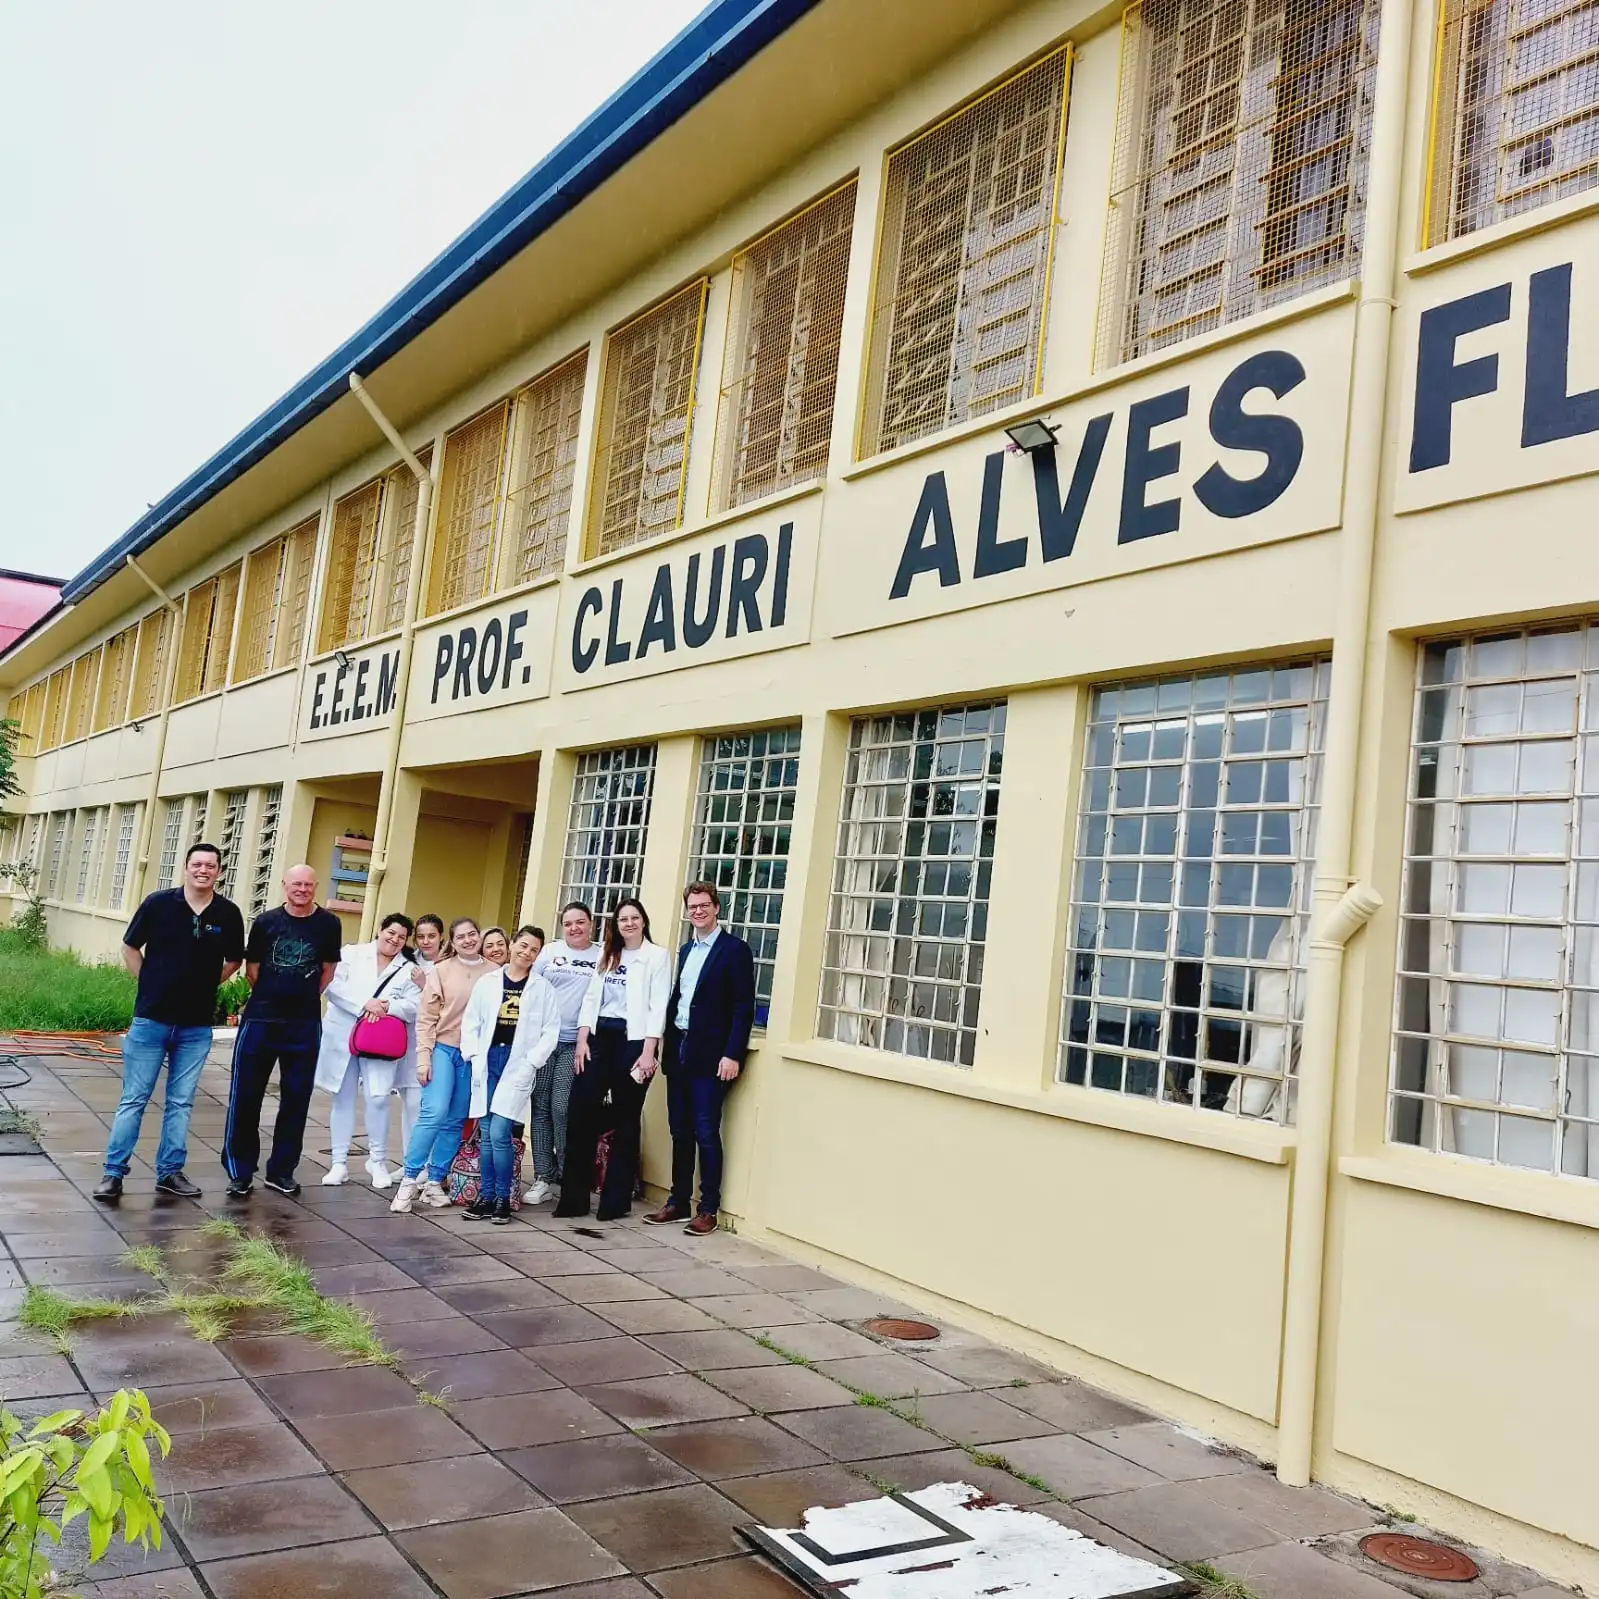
[708, 1025]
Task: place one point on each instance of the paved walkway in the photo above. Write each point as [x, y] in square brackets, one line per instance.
[619, 1399]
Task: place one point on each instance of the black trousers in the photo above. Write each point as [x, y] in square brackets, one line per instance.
[604, 1099]
[292, 1047]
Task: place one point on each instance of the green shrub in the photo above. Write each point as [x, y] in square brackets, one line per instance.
[30, 927]
[232, 997]
[57, 991]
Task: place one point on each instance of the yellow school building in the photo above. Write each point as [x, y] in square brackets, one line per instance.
[1081, 520]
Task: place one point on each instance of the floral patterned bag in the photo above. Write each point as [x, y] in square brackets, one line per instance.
[465, 1180]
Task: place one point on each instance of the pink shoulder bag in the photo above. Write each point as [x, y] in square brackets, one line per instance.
[387, 1038]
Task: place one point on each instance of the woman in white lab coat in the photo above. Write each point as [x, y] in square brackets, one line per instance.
[376, 979]
[511, 1027]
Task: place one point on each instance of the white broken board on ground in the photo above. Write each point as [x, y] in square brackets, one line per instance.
[953, 1541]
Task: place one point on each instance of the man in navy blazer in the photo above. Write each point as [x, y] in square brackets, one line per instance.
[708, 1023]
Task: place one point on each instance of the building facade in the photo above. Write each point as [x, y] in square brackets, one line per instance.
[1168, 838]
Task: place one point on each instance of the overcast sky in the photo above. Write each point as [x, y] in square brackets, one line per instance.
[198, 201]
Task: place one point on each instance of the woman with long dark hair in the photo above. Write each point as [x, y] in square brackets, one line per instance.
[620, 1027]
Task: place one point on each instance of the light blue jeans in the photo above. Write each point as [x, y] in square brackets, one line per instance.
[147, 1045]
[446, 1098]
[496, 1157]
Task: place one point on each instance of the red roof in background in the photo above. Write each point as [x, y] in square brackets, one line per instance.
[24, 598]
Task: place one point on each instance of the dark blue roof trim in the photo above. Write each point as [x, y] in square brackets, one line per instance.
[723, 38]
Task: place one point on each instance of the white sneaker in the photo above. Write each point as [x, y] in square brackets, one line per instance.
[337, 1176]
[433, 1194]
[539, 1192]
[410, 1188]
[382, 1177]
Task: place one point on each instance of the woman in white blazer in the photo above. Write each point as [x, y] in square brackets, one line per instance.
[511, 1027]
[376, 979]
[620, 1027]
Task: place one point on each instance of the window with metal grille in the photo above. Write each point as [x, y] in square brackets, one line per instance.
[35, 843]
[171, 842]
[1239, 173]
[199, 817]
[208, 615]
[266, 847]
[1515, 112]
[780, 371]
[116, 681]
[1496, 1050]
[968, 233]
[55, 706]
[1192, 896]
[81, 686]
[395, 538]
[277, 592]
[58, 846]
[470, 493]
[608, 825]
[907, 927]
[31, 715]
[743, 822]
[232, 841]
[149, 665]
[646, 412]
[543, 470]
[89, 857]
[127, 825]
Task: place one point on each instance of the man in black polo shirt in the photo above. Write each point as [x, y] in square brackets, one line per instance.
[181, 943]
[292, 956]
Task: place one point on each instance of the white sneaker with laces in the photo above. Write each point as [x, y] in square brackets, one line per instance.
[382, 1177]
[410, 1188]
[539, 1192]
[433, 1194]
[338, 1175]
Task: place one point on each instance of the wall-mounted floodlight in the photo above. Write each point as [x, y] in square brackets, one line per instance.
[343, 659]
[1035, 434]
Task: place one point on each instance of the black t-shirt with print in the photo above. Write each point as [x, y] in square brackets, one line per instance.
[291, 951]
[184, 953]
[510, 1011]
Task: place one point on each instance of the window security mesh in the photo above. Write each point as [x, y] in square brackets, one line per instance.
[116, 677]
[780, 372]
[1239, 174]
[207, 634]
[232, 838]
[149, 664]
[1192, 894]
[277, 594]
[55, 706]
[543, 470]
[80, 696]
[127, 823]
[171, 842]
[608, 826]
[907, 926]
[963, 275]
[743, 822]
[88, 857]
[58, 845]
[469, 510]
[646, 409]
[265, 849]
[32, 718]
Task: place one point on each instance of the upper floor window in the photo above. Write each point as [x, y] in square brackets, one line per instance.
[116, 680]
[780, 372]
[208, 617]
[470, 494]
[543, 471]
[369, 560]
[963, 273]
[31, 715]
[646, 411]
[277, 598]
[1516, 119]
[150, 664]
[1496, 1050]
[1240, 166]
[81, 686]
[55, 707]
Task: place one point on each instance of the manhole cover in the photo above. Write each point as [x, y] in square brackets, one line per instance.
[907, 1331]
[1417, 1557]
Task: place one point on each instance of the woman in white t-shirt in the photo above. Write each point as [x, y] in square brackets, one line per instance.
[620, 1026]
[566, 965]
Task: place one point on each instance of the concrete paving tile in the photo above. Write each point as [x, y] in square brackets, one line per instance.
[745, 1577]
[387, 1437]
[229, 1456]
[1291, 1512]
[754, 1310]
[633, 1258]
[423, 1494]
[205, 1407]
[23, 1377]
[1111, 1537]
[669, 1527]
[909, 1473]
[480, 1376]
[511, 1293]
[1546, 1592]
[661, 1401]
[335, 1252]
[132, 1365]
[848, 1304]
[1291, 1571]
[59, 1243]
[696, 1282]
[174, 1584]
[985, 1367]
[525, 1552]
[74, 1271]
[527, 1329]
[656, 1315]
[513, 1421]
[978, 1419]
[1169, 1452]
[304, 1395]
[595, 1468]
[781, 1498]
[785, 1279]
[818, 1340]
[859, 1432]
[1179, 1521]
[604, 1360]
[1072, 1406]
[457, 1336]
[784, 1387]
[280, 1353]
[399, 1307]
[367, 1277]
[712, 1351]
[449, 1271]
[537, 1263]
[248, 1520]
[1075, 1469]
[889, 1376]
[605, 1287]
[738, 1447]
[338, 1571]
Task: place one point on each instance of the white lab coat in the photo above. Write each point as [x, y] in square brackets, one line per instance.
[354, 983]
[538, 1031]
[649, 992]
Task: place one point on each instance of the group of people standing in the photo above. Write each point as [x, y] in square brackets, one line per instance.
[562, 1039]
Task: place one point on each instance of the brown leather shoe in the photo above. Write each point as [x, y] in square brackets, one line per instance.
[667, 1212]
[702, 1224]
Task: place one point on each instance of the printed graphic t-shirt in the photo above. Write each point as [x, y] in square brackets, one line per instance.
[568, 971]
[290, 951]
[613, 999]
[510, 1012]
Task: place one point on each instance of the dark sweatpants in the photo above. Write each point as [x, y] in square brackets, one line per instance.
[292, 1047]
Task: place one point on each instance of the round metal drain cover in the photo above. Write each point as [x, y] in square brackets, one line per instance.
[906, 1331]
[1417, 1557]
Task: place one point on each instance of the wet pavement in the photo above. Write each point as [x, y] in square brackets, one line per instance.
[591, 1410]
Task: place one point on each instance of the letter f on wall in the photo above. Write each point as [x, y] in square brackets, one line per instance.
[1441, 381]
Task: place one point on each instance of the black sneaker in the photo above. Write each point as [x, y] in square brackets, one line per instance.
[479, 1210]
[177, 1183]
[502, 1213]
[241, 1190]
[291, 1188]
[110, 1190]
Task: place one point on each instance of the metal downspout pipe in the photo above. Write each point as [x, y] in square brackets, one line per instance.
[169, 674]
[1342, 906]
[413, 602]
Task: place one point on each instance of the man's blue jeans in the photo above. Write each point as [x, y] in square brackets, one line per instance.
[147, 1045]
[446, 1098]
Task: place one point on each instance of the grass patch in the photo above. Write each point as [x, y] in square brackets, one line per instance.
[57, 991]
[1394, 1513]
[148, 1259]
[284, 1283]
[787, 1354]
[439, 1401]
[873, 1401]
[13, 1120]
[52, 1313]
[221, 1228]
[1216, 1584]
